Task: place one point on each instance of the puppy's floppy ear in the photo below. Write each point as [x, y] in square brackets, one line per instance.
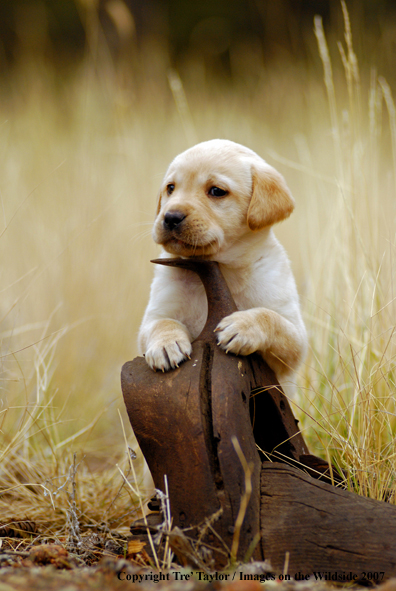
[271, 199]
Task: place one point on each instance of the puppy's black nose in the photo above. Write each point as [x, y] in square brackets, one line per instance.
[172, 219]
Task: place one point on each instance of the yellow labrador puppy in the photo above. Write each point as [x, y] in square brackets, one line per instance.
[220, 200]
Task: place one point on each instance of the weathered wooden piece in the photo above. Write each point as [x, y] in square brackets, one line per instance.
[184, 421]
[324, 529]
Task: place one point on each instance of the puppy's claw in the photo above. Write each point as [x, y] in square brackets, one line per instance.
[168, 355]
[219, 328]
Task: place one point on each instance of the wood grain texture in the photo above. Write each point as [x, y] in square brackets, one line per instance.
[323, 528]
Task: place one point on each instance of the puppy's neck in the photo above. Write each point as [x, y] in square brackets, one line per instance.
[238, 263]
[247, 249]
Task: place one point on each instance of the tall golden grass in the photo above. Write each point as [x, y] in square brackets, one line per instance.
[351, 305]
[80, 168]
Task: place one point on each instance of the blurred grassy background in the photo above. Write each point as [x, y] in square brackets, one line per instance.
[96, 99]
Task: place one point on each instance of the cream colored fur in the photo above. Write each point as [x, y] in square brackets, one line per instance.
[234, 229]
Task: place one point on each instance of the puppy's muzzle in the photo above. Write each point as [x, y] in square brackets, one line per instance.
[173, 219]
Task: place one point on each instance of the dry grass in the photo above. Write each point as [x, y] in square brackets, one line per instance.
[351, 308]
[80, 167]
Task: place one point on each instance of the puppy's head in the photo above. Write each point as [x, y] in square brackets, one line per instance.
[214, 194]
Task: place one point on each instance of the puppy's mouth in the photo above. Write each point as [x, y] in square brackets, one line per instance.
[176, 246]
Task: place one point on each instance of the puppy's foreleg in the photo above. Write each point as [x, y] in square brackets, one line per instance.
[279, 341]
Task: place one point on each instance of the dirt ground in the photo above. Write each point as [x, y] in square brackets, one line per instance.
[113, 575]
[28, 565]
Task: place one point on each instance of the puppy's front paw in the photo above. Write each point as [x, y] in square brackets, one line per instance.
[168, 353]
[240, 334]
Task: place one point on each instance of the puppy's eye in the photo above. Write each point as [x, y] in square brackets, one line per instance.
[217, 192]
[170, 188]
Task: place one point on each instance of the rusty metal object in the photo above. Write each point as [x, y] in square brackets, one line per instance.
[184, 421]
